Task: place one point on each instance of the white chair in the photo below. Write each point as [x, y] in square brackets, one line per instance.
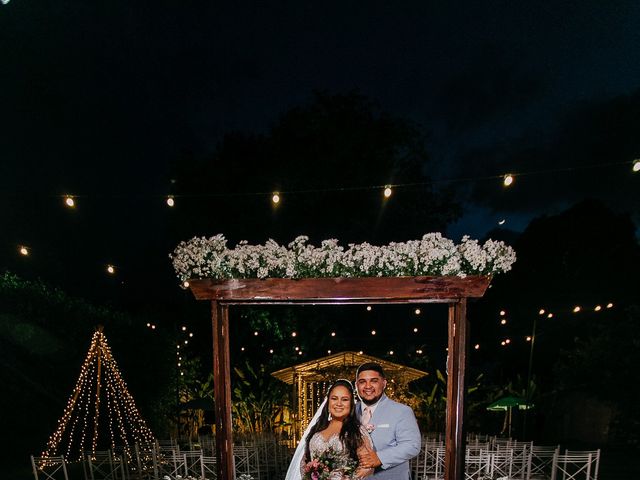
[49, 468]
[103, 465]
[477, 466]
[542, 462]
[576, 465]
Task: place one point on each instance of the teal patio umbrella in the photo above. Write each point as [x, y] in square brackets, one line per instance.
[506, 404]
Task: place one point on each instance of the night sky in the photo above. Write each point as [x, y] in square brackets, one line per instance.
[100, 99]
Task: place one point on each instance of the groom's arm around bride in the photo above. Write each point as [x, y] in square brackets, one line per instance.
[392, 425]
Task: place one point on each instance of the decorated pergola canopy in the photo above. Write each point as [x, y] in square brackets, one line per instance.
[431, 270]
[344, 365]
[312, 379]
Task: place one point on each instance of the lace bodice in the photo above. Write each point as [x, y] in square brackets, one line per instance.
[318, 445]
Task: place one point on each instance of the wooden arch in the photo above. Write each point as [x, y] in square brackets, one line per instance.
[315, 291]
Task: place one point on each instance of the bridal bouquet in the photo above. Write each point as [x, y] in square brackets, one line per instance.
[328, 464]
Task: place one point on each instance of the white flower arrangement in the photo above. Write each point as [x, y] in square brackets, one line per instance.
[433, 255]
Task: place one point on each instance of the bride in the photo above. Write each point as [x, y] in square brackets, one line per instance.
[332, 440]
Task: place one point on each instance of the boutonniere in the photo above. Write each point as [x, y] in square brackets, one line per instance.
[370, 427]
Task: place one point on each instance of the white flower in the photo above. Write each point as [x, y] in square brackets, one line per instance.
[432, 255]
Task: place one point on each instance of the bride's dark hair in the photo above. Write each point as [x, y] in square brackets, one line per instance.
[350, 434]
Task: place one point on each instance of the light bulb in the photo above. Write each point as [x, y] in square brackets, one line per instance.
[507, 180]
[170, 201]
[275, 198]
[69, 201]
[387, 192]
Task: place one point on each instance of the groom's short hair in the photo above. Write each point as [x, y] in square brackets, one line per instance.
[376, 367]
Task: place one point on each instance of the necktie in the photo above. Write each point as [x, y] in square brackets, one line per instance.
[366, 415]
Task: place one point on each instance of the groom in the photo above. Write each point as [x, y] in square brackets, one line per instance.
[392, 425]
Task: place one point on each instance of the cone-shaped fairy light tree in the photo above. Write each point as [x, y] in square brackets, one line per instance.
[100, 404]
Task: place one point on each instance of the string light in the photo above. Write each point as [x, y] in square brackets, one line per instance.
[242, 349]
[275, 198]
[255, 334]
[153, 327]
[99, 388]
[191, 334]
[418, 311]
[502, 313]
[597, 308]
[502, 222]
[368, 308]
[111, 269]
[419, 352]
[271, 350]
[503, 321]
[373, 332]
[507, 180]
[294, 334]
[541, 311]
[477, 346]
[636, 166]
[171, 201]
[300, 352]
[390, 352]
[24, 251]
[333, 334]
[507, 341]
[609, 305]
[69, 201]
[415, 329]
[503, 343]
[387, 192]
[185, 284]
[148, 325]
[296, 348]
[329, 352]
[550, 315]
[360, 352]
[576, 309]
[184, 328]
[528, 338]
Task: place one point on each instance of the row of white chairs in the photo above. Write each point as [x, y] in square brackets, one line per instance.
[489, 458]
[261, 459]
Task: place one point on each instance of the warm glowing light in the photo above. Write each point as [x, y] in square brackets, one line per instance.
[507, 341]
[300, 352]
[503, 321]
[550, 315]
[415, 329]
[296, 348]
[186, 342]
[69, 201]
[255, 334]
[636, 166]
[576, 309]
[191, 335]
[502, 313]
[368, 308]
[387, 192]
[271, 350]
[390, 352]
[373, 332]
[360, 352]
[597, 308]
[609, 305]
[153, 327]
[275, 198]
[541, 311]
[418, 311]
[185, 284]
[528, 338]
[184, 328]
[329, 351]
[23, 250]
[477, 346]
[171, 201]
[503, 343]
[148, 324]
[333, 334]
[111, 269]
[294, 334]
[419, 352]
[242, 349]
[507, 180]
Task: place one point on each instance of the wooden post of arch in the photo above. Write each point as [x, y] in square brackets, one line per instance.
[453, 291]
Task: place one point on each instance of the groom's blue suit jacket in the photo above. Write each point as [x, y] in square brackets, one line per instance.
[396, 438]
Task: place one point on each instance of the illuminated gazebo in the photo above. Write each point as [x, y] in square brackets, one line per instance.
[310, 380]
